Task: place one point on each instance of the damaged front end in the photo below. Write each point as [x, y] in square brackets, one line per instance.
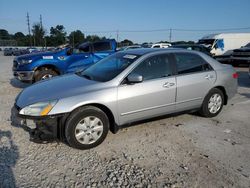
[42, 129]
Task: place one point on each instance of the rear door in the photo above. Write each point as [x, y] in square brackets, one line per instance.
[79, 59]
[195, 77]
[103, 49]
[152, 97]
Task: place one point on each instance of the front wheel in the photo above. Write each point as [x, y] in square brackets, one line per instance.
[87, 127]
[213, 103]
[44, 74]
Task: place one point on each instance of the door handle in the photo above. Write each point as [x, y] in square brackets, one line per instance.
[209, 77]
[168, 84]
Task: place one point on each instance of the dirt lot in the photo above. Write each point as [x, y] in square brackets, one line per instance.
[181, 151]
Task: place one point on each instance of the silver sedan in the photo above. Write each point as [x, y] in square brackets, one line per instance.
[123, 88]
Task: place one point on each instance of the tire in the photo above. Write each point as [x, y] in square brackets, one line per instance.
[213, 103]
[44, 74]
[82, 122]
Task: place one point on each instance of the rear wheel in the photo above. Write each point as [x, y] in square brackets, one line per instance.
[44, 74]
[86, 127]
[213, 103]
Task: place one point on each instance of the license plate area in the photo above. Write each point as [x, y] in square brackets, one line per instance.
[30, 123]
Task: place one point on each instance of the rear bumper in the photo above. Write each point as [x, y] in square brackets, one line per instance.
[24, 75]
[223, 59]
[235, 60]
[246, 59]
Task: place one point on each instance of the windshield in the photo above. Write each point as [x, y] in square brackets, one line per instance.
[248, 45]
[123, 48]
[207, 42]
[109, 67]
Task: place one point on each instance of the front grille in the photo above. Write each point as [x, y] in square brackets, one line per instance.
[241, 54]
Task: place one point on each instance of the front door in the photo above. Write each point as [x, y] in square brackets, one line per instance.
[154, 96]
[79, 61]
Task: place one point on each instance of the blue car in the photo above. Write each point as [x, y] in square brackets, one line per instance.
[40, 66]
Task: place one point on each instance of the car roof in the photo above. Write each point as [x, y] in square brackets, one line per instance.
[186, 45]
[143, 51]
[151, 51]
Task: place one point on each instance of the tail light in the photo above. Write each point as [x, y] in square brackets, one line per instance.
[235, 75]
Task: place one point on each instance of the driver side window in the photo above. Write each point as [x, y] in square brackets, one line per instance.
[158, 66]
[84, 49]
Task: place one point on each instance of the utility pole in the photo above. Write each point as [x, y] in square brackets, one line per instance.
[28, 22]
[73, 39]
[41, 27]
[117, 36]
[34, 40]
[41, 22]
[170, 35]
[45, 43]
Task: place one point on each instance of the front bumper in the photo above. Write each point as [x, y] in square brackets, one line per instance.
[41, 129]
[24, 75]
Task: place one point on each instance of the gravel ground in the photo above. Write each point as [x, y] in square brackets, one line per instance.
[181, 151]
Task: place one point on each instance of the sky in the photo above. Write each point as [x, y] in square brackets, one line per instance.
[112, 18]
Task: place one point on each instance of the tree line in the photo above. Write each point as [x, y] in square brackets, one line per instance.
[57, 36]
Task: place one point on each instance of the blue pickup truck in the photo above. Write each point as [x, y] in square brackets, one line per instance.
[44, 65]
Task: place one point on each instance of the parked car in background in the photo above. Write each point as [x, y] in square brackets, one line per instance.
[8, 51]
[241, 55]
[32, 50]
[16, 51]
[129, 47]
[161, 45]
[196, 47]
[24, 51]
[126, 87]
[51, 49]
[222, 45]
[40, 66]
[146, 45]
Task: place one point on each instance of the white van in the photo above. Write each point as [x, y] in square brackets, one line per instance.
[222, 45]
[161, 45]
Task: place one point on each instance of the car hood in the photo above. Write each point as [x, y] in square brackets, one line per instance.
[56, 88]
[32, 55]
[39, 55]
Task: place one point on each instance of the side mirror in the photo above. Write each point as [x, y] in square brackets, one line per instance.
[135, 78]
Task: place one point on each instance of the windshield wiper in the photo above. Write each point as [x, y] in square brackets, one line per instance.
[86, 76]
[83, 75]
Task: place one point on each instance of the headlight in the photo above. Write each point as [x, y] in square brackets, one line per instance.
[25, 61]
[38, 109]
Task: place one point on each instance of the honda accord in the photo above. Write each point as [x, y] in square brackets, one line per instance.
[126, 87]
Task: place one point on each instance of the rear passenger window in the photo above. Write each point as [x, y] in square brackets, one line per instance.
[154, 67]
[101, 46]
[190, 63]
[83, 48]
